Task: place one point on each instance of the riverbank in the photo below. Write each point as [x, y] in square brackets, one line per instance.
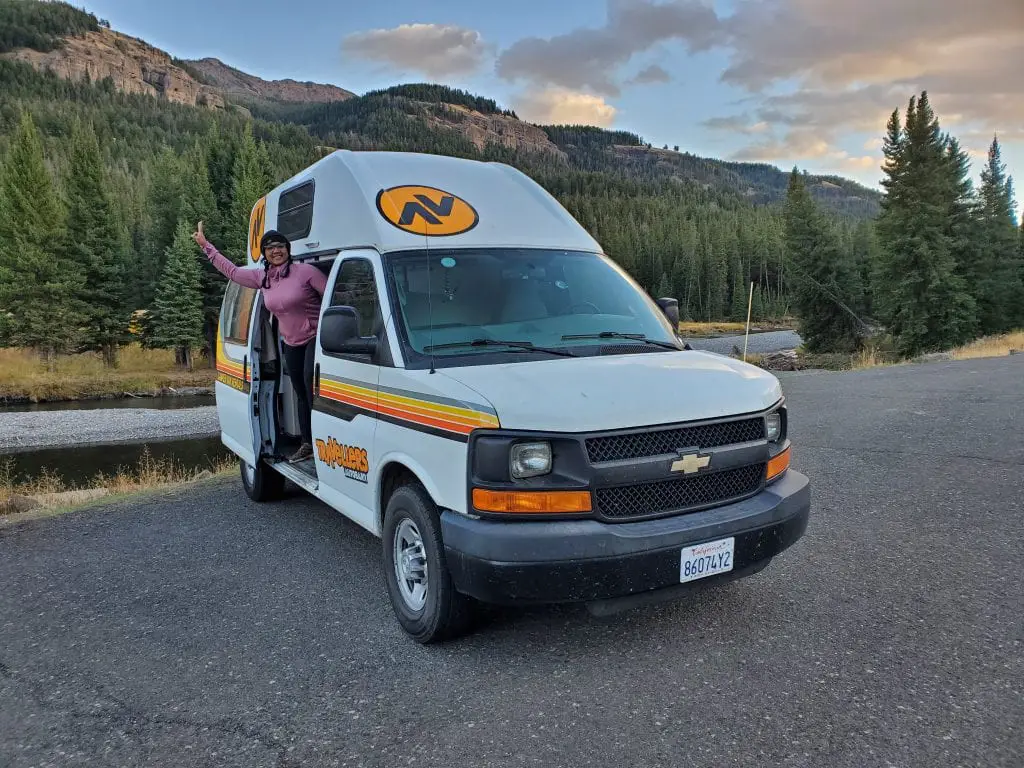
[48, 496]
[24, 378]
[23, 431]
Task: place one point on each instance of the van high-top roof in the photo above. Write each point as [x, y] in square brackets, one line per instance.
[392, 201]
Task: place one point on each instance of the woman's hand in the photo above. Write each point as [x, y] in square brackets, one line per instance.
[199, 237]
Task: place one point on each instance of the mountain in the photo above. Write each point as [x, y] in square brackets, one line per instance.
[697, 228]
[132, 65]
[233, 82]
[413, 117]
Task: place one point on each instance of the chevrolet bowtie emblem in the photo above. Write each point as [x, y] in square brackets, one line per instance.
[691, 463]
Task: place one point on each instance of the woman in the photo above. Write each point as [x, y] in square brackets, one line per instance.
[293, 293]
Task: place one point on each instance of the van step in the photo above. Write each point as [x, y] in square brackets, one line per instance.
[305, 480]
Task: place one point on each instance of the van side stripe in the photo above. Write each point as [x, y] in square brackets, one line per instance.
[420, 397]
[399, 413]
[415, 409]
[439, 415]
[348, 412]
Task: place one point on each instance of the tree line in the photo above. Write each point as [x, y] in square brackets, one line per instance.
[99, 192]
[944, 265]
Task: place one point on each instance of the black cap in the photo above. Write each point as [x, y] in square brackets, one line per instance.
[273, 236]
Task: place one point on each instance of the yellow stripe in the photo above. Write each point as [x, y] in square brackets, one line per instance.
[432, 408]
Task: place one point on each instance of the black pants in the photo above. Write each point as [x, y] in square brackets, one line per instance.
[300, 370]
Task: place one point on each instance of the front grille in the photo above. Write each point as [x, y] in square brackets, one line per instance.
[635, 445]
[680, 495]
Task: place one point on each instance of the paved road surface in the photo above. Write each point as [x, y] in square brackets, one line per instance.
[759, 343]
[202, 630]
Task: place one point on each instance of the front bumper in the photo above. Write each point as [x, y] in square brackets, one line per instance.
[590, 561]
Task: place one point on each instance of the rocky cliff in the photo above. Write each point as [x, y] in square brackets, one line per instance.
[133, 65]
[229, 80]
[483, 129]
[137, 67]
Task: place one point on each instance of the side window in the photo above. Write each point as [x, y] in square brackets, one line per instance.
[357, 288]
[295, 211]
[236, 312]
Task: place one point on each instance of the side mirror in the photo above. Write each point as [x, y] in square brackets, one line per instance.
[671, 309]
[339, 333]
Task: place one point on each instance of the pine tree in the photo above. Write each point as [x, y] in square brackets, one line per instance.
[163, 209]
[999, 287]
[920, 293]
[96, 245]
[37, 282]
[252, 179]
[823, 277]
[199, 204]
[740, 296]
[757, 309]
[178, 317]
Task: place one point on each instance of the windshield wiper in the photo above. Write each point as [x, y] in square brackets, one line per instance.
[525, 346]
[617, 335]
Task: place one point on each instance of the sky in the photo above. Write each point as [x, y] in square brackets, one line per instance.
[809, 83]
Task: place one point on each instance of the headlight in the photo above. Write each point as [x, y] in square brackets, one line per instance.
[530, 460]
[773, 423]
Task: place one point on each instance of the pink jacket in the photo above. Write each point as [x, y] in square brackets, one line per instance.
[294, 300]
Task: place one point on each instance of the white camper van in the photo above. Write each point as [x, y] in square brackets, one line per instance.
[499, 402]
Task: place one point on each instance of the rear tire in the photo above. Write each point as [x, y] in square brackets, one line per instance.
[261, 483]
[423, 596]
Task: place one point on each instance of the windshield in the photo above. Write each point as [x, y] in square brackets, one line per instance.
[542, 298]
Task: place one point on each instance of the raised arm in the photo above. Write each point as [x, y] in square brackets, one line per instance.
[250, 278]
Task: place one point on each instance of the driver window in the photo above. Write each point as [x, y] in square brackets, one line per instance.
[356, 287]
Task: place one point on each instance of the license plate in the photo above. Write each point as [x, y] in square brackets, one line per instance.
[705, 560]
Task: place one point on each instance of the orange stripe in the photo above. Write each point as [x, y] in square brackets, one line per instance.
[448, 426]
[235, 372]
[418, 411]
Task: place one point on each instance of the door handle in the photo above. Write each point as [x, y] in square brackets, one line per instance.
[316, 380]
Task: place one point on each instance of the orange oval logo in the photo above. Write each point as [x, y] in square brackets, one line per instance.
[257, 223]
[426, 211]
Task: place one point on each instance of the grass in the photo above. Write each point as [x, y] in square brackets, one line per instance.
[694, 329]
[23, 376]
[147, 475]
[991, 346]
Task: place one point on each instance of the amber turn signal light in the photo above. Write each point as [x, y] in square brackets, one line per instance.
[531, 502]
[779, 464]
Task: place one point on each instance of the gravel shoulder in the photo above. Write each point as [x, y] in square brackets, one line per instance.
[759, 343]
[59, 429]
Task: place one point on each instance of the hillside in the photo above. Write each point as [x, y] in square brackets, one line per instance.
[409, 117]
[189, 140]
[233, 82]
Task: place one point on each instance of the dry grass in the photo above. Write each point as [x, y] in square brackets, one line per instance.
[693, 329]
[869, 358]
[148, 474]
[24, 375]
[991, 346]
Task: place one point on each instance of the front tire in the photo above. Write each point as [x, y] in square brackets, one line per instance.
[261, 483]
[423, 596]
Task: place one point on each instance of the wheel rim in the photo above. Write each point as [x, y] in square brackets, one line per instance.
[410, 565]
[249, 474]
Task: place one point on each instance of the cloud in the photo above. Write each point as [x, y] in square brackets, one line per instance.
[736, 124]
[561, 106]
[815, 71]
[589, 59]
[835, 42]
[651, 74]
[436, 50]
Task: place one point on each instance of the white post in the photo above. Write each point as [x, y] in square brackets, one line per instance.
[750, 304]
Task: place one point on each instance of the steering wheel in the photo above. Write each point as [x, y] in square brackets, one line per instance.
[597, 309]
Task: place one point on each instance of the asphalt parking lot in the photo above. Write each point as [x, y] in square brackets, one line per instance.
[199, 629]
